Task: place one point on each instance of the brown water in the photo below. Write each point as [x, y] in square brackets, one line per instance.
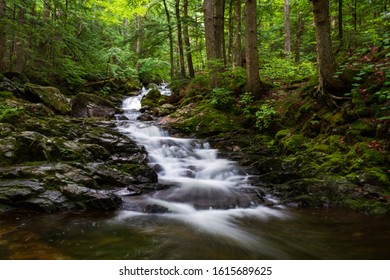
[306, 234]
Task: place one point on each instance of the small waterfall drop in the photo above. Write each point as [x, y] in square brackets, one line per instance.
[206, 192]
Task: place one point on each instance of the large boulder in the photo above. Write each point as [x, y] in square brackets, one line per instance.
[50, 96]
[86, 105]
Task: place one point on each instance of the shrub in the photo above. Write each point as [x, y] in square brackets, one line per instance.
[222, 99]
[265, 115]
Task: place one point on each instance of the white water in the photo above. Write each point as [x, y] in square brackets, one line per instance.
[206, 192]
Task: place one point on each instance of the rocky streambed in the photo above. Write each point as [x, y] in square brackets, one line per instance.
[73, 158]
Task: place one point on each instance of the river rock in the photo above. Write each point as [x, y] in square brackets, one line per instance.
[86, 105]
[14, 191]
[33, 146]
[89, 198]
[50, 96]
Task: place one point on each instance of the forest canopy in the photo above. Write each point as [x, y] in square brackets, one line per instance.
[71, 42]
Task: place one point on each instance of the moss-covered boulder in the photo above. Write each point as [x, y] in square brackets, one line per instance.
[86, 105]
[33, 146]
[50, 96]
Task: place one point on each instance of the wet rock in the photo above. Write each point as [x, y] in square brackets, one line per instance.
[33, 146]
[49, 201]
[156, 209]
[7, 150]
[50, 96]
[6, 129]
[86, 105]
[13, 191]
[145, 117]
[88, 198]
[166, 109]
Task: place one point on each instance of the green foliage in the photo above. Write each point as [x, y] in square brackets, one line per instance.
[246, 101]
[286, 71]
[9, 114]
[234, 78]
[265, 115]
[153, 70]
[5, 95]
[222, 99]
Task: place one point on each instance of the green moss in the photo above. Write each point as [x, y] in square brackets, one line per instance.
[369, 206]
[127, 167]
[293, 143]
[376, 175]
[205, 120]
[6, 95]
[282, 134]
[334, 163]
[10, 114]
[364, 127]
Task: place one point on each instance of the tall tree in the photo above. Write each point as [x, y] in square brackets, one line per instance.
[210, 39]
[287, 28]
[187, 42]
[340, 18]
[219, 28]
[251, 45]
[230, 34]
[3, 33]
[238, 49]
[138, 49]
[20, 42]
[325, 60]
[170, 31]
[298, 38]
[180, 39]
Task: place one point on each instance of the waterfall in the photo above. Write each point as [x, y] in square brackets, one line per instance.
[207, 192]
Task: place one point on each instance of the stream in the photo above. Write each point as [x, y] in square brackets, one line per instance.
[207, 209]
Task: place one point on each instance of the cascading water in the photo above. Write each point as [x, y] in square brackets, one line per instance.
[208, 193]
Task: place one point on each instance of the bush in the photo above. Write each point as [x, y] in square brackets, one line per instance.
[265, 115]
[222, 99]
[286, 71]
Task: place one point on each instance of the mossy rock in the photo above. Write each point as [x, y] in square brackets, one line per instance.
[334, 163]
[11, 115]
[50, 96]
[293, 143]
[86, 105]
[282, 134]
[33, 146]
[205, 121]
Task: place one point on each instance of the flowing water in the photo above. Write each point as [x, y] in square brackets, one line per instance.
[208, 209]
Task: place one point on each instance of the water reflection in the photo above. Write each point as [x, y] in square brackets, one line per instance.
[307, 234]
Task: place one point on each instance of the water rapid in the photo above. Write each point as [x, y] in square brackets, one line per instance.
[208, 193]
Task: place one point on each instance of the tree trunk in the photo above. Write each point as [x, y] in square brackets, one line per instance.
[187, 42]
[3, 34]
[238, 49]
[230, 35]
[210, 40]
[138, 49]
[299, 38]
[326, 66]
[171, 59]
[287, 41]
[252, 56]
[180, 39]
[219, 20]
[340, 16]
